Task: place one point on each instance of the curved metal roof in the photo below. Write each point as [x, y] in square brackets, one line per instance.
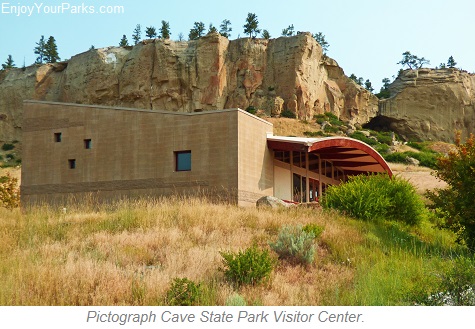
[351, 155]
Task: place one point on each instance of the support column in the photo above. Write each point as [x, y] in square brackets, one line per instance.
[307, 179]
[320, 188]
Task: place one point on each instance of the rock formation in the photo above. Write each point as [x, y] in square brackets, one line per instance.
[430, 104]
[208, 74]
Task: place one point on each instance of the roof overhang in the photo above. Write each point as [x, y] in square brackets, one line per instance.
[351, 155]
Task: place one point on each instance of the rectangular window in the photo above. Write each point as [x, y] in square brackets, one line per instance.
[87, 144]
[183, 161]
[57, 137]
[72, 163]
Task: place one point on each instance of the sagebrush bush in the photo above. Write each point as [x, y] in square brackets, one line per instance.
[295, 245]
[251, 266]
[183, 292]
[376, 197]
[236, 300]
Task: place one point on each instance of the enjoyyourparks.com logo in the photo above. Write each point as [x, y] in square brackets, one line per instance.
[40, 8]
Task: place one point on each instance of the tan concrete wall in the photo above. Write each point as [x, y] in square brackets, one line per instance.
[255, 169]
[132, 152]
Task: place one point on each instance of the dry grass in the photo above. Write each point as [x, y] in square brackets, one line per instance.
[128, 254]
[291, 127]
[421, 177]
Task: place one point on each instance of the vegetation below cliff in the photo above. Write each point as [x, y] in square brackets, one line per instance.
[130, 253]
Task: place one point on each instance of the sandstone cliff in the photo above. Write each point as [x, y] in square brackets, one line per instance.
[430, 104]
[208, 74]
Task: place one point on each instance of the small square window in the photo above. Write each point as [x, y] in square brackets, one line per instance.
[57, 137]
[183, 161]
[87, 144]
[72, 163]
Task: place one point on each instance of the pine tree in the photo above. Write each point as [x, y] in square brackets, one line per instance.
[40, 50]
[137, 36]
[225, 28]
[165, 30]
[289, 31]
[368, 85]
[51, 51]
[150, 32]
[451, 62]
[123, 42]
[197, 31]
[265, 34]
[212, 29]
[251, 26]
[181, 37]
[320, 37]
[9, 63]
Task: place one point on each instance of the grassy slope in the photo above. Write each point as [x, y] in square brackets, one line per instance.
[128, 254]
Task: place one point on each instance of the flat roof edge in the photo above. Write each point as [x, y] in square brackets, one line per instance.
[122, 108]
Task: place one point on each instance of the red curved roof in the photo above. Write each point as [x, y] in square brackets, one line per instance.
[351, 155]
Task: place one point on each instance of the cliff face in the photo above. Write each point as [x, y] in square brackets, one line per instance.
[208, 74]
[430, 104]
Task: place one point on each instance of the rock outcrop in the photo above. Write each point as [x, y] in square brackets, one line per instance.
[208, 74]
[430, 104]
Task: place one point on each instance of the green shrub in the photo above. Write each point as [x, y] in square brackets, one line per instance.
[384, 137]
[288, 114]
[183, 292]
[251, 266]
[360, 136]
[314, 133]
[426, 159]
[295, 244]
[331, 129]
[382, 148]
[8, 147]
[376, 197]
[457, 287]
[251, 109]
[313, 228]
[454, 204]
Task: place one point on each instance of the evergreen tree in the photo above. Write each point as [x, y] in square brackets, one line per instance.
[51, 51]
[181, 37]
[150, 32]
[92, 47]
[197, 31]
[412, 61]
[384, 91]
[225, 28]
[137, 36]
[451, 62]
[265, 34]
[251, 26]
[165, 30]
[368, 85]
[320, 37]
[358, 81]
[9, 63]
[40, 50]
[123, 42]
[289, 31]
[212, 29]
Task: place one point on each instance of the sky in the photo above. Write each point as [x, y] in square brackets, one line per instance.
[366, 37]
